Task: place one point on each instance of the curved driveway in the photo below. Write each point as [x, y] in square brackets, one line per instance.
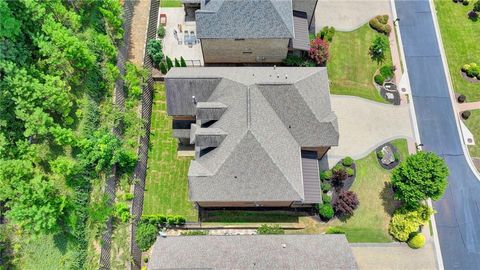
[458, 217]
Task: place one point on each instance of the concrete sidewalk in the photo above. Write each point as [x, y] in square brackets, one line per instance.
[364, 125]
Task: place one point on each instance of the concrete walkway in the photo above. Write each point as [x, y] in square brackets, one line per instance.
[348, 15]
[364, 125]
[468, 106]
[394, 256]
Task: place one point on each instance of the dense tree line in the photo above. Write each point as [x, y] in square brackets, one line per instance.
[57, 71]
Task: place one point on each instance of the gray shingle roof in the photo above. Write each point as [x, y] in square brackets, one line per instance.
[252, 252]
[270, 114]
[245, 19]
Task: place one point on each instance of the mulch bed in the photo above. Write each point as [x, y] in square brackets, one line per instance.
[346, 184]
[469, 79]
[391, 165]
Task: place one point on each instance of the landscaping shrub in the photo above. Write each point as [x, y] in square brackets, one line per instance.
[461, 99]
[387, 72]
[466, 114]
[379, 79]
[267, 229]
[163, 67]
[350, 171]
[182, 62]
[476, 6]
[326, 211]
[308, 63]
[334, 230]
[177, 63]
[326, 175]
[473, 15]
[326, 199]
[155, 51]
[169, 63]
[466, 2]
[378, 49]
[346, 203]
[161, 31]
[319, 51]
[128, 196]
[472, 70]
[337, 168]
[157, 220]
[293, 60]
[347, 161]
[404, 221]
[380, 24]
[340, 175]
[421, 176]
[380, 154]
[171, 220]
[326, 187]
[418, 240]
[146, 235]
[327, 33]
[194, 232]
[179, 220]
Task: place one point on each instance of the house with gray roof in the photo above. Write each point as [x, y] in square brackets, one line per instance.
[251, 31]
[327, 251]
[258, 133]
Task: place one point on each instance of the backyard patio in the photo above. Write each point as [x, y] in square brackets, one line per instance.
[180, 36]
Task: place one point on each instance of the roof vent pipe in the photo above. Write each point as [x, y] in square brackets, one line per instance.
[286, 76]
[194, 99]
[274, 67]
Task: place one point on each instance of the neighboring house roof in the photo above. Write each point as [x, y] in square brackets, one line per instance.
[268, 115]
[252, 252]
[245, 19]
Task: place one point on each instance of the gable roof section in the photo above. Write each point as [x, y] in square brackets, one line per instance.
[320, 251]
[235, 19]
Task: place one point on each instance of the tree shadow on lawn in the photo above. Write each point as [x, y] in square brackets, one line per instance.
[388, 201]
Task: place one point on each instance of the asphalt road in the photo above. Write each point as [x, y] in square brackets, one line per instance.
[458, 217]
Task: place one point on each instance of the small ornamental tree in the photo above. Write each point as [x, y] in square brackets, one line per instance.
[406, 221]
[155, 51]
[177, 63]
[346, 203]
[379, 48]
[326, 211]
[319, 51]
[169, 63]
[182, 62]
[419, 177]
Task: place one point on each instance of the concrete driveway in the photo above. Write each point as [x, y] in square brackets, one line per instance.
[364, 125]
[348, 15]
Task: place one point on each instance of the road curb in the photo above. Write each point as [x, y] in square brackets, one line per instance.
[438, 254]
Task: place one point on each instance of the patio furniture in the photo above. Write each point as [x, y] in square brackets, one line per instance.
[163, 19]
[193, 37]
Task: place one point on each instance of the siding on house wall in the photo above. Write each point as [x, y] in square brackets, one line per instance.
[307, 6]
[243, 204]
[244, 51]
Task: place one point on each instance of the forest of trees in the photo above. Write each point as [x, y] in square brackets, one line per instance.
[57, 76]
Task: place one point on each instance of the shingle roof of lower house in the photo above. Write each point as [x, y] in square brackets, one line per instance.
[245, 19]
[270, 115]
[252, 252]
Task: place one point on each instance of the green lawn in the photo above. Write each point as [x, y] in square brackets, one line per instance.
[167, 182]
[350, 68]
[461, 40]
[170, 3]
[231, 216]
[473, 124]
[369, 224]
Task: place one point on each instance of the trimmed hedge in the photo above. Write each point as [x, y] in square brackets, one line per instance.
[267, 229]
[326, 211]
[161, 220]
[146, 235]
[379, 23]
[417, 241]
[472, 70]
[350, 171]
[326, 175]
[387, 72]
[326, 198]
[326, 187]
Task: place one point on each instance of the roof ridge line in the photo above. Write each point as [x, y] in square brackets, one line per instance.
[280, 16]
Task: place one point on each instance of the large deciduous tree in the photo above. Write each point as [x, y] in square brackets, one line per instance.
[419, 177]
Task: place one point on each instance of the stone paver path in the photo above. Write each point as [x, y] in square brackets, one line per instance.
[139, 32]
[364, 125]
[348, 15]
